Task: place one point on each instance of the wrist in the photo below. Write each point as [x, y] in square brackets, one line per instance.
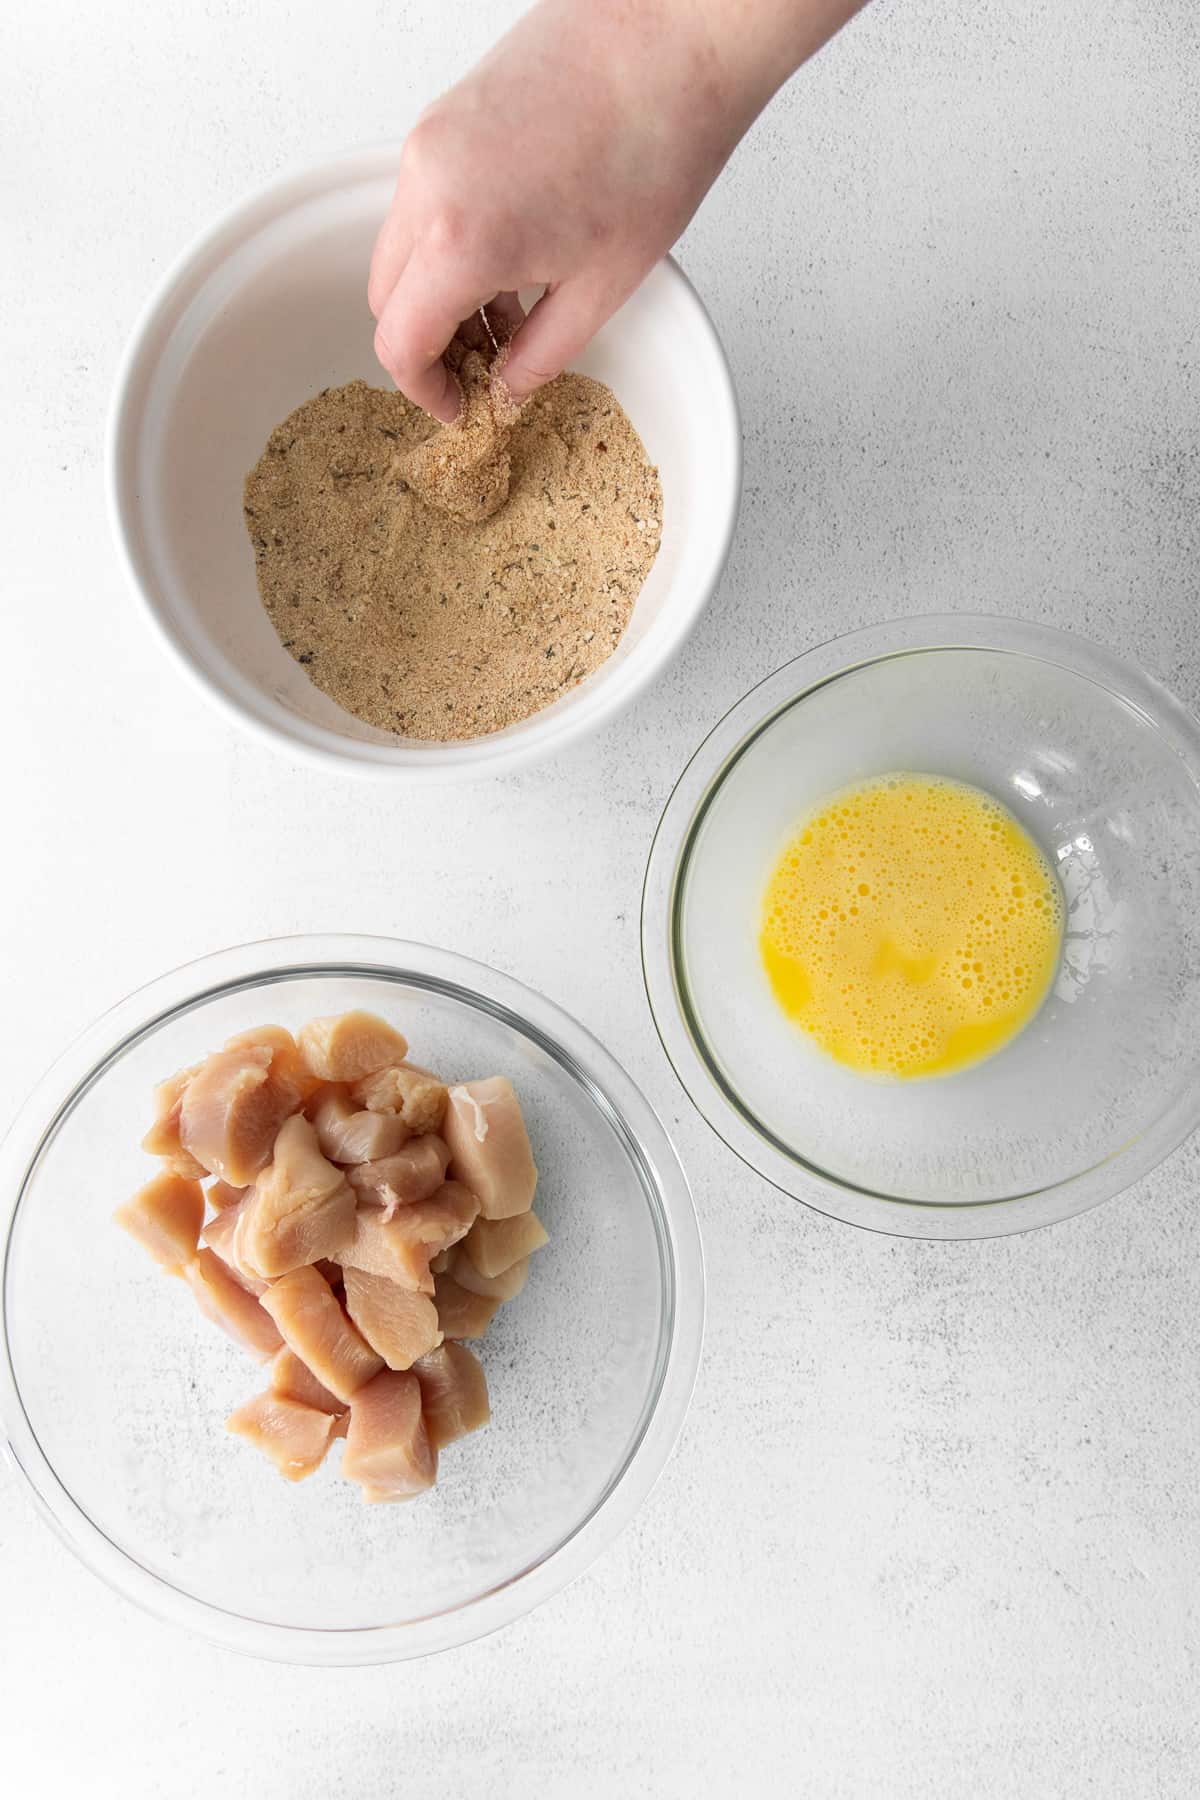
[672, 76]
[713, 64]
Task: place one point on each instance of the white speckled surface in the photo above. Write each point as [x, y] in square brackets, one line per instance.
[932, 1527]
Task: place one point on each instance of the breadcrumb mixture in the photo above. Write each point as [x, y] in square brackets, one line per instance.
[434, 626]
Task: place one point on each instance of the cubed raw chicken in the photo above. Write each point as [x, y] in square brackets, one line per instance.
[310, 1317]
[165, 1217]
[397, 1323]
[162, 1139]
[417, 1096]
[454, 1395]
[300, 1208]
[348, 1134]
[387, 1446]
[294, 1380]
[412, 1174]
[494, 1245]
[461, 1314]
[295, 1437]
[232, 1109]
[489, 1147]
[505, 1286]
[365, 1220]
[223, 1299]
[400, 1244]
[286, 1059]
[350, 1046]
[220, 1234]
[221, 1196]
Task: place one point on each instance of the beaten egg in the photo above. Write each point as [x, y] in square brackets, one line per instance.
[911, 926]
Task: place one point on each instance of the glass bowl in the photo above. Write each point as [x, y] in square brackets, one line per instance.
[113, 1389]
[1102, 766]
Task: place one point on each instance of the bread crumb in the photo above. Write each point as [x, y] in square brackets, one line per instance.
[465, 469]
[429, 624]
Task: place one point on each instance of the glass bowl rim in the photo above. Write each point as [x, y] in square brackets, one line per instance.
[661, 1177]
[664, 973]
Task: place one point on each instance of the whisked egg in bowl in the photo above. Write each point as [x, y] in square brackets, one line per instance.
[921, 926]
[911, 926]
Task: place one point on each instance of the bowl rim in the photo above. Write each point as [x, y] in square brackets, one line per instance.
[665, 982]
[435, 764]
[663, 1181]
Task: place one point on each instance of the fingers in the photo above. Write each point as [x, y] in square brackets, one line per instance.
[559, 327]
[393, 248]
[416, 323]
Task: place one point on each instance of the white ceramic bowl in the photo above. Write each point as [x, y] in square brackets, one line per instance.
[264, 311]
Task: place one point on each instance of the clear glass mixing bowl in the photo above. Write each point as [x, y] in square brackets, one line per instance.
[113, 1389]
[1102, 766]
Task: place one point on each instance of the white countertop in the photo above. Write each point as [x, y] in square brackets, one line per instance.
[933, 1523]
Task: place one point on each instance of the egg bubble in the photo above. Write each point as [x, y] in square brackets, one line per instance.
[911, 925]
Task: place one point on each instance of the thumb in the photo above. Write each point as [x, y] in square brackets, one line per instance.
[559, 326]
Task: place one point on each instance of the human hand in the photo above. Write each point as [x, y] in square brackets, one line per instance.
[550, 164]
[570, 158]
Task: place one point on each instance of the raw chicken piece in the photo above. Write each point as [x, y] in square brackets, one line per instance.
[304, 1307]
[418, 1096]
[232, 1108]
[223, 1299]
[494, 1245]
[347, 1135]
[454, 1396]
[294, 1380]
[412, 1174]
[460, 1314]
[165, 1217]
[397, 1323]
[220, 1235]
[359, 1281]
[221, 1196]
[505, 1286]
[350, 1046]
[300, 1208]
[489, 1147]
[286, 1059]
[295, 1437]
[387, 1447]
[400, 1244]
[162, 1139]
